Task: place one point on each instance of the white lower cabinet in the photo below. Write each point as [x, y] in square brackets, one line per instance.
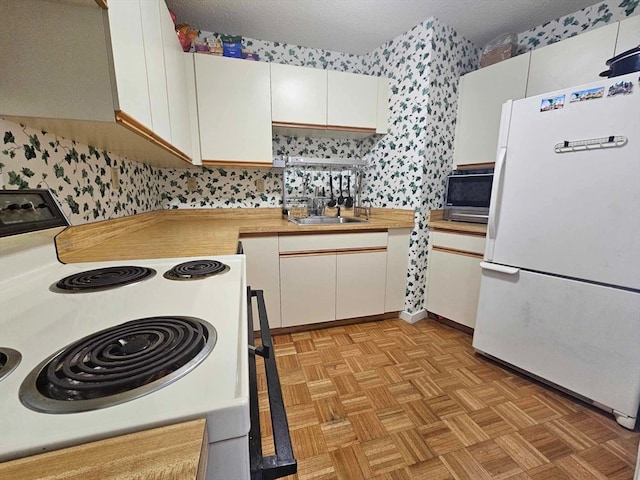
[307, 288]
[454, 274]
[316, 278]
[263, 273]
[397, 266]
[360, 283]
[326, 277]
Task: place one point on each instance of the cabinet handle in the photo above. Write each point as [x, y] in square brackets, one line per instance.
[497, 183]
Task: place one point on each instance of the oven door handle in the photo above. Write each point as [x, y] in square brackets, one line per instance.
[282, 463]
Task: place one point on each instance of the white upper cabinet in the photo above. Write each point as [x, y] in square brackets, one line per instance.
[234, 110]
[298, 95]
[481, 95]
[573, 61]
[352, 100]
[326, 103]
[155, 66]
[178, 86]
[628, 34]
[94, 75]
[127, 46]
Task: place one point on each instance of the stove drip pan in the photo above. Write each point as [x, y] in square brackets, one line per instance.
[9, 360]
[118, 364]
[196, 270]
[103, 279]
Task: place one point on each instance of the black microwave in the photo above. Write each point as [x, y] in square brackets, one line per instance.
[467, 196]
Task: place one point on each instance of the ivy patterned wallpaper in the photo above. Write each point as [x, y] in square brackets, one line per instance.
[407, 167]
[277, 52]
[570, 25]
[79, 175]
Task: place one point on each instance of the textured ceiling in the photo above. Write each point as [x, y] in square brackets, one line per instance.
[360, 26]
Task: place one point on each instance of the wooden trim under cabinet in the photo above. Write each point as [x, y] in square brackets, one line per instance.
[235, 163]
[139, 129]
[458, 252]
[344, 251]
[468, 166]
[314, 126]
[342, 128]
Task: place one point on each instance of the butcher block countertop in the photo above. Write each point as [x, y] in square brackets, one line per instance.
[437, 222]
[166, 453]
[197, 232]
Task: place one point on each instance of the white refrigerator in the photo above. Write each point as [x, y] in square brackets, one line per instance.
[560, 289]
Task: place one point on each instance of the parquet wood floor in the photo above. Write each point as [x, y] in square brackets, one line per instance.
[392, 401]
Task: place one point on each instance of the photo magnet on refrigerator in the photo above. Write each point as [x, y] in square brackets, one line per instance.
[620, 88]
[589, 94]
[553, 103]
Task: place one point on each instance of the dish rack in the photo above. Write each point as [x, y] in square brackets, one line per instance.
[306, 186]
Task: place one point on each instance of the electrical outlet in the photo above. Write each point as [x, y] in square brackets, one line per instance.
[192, 184]
[115, 177]
[260, 185]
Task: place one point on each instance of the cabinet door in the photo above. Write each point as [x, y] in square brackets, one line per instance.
[234, 110]
[628, 34]
[177, 85]
[571, 62]
[454, 285]
[154, 60]
[307, 288]
[361, 282]
[352, 100]
[480, 99]
[263, 273]
[298, 95]
[61, 55]
[397, 262]
[127, 44]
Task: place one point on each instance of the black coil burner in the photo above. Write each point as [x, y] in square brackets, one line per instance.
[118, 364]
[9, 360]
[196, 270]
[104, 278]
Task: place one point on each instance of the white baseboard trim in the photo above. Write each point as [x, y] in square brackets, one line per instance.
[413, 317]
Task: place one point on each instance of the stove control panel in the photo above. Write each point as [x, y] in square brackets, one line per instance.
[24, 211]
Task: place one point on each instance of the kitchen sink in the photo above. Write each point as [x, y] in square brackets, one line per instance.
[323, 220]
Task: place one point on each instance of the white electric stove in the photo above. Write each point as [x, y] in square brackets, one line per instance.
[38, 319]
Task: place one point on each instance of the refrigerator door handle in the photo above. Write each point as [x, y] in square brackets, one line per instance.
[494, 267]
[501, 158]
[493, 205]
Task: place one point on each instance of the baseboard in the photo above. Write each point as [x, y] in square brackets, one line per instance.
[413, 317]
[331, 324]
[450, 323]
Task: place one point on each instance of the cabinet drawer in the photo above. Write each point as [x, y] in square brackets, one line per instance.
[464, 243]
[331, 242]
